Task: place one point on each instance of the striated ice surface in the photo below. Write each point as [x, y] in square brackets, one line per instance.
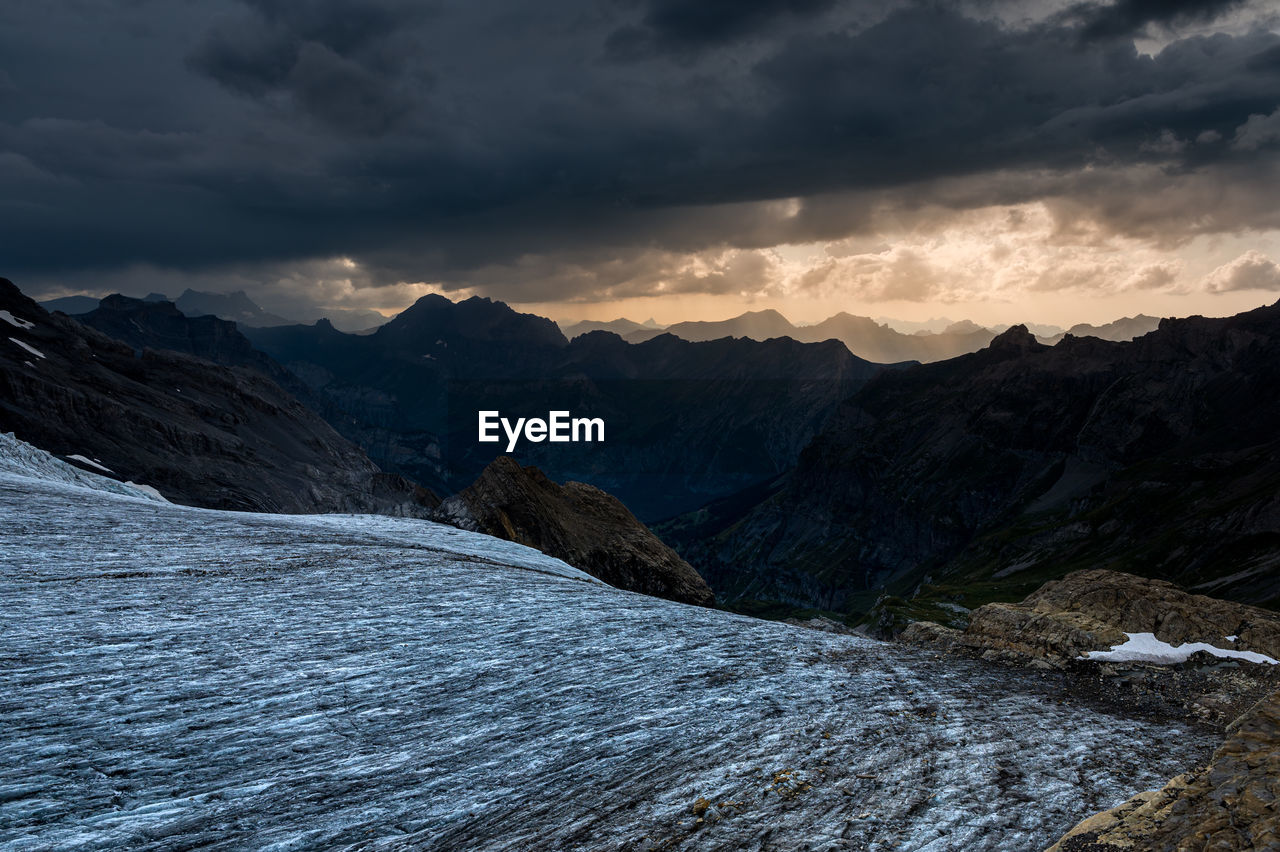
[174, 678]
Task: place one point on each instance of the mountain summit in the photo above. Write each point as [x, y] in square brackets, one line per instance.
[434, 319]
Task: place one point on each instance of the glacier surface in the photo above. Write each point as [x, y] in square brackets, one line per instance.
[175, 678]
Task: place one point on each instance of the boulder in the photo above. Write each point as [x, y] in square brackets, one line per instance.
[578, 523]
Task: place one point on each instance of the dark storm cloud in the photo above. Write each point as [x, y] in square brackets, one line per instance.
[677, 26]
[1127, 17]
[465, 142]
[339, 61]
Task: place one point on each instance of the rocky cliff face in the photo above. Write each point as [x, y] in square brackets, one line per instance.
[998, 470]
[581, 524]
[203, 434]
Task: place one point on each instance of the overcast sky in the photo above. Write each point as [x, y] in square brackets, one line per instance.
[1048, 161]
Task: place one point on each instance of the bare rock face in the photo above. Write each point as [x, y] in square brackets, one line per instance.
[586, 527]
[1092, 610]
[1229, 805]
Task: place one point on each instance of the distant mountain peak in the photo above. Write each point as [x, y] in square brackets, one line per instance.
[1017, 338]
[966, 327]
[120, 302]
[435, 317]
[235, 306]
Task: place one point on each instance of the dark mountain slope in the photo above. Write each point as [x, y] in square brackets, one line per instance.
[991, 472]
[203, 434]
[434, 319]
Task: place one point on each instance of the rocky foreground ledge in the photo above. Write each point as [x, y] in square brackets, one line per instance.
[1153, 647]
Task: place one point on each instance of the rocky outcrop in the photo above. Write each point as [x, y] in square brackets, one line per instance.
[1229, 805]
[1093, 610]
[1059, 625]
[202, 434]
[578, 523]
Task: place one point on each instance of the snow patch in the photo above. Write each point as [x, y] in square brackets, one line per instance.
[16, 321]
[1146, 648]
[90, 462]
[146, 489]
[28, 347]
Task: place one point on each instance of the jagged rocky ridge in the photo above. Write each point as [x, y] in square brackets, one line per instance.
[686, 422]
[160, 324]
[586, 527]
[978, 478]
[203, 434]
